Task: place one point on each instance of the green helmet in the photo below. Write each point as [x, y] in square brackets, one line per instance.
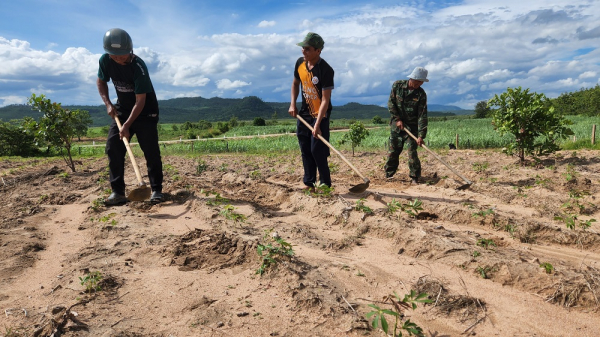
[117, 42]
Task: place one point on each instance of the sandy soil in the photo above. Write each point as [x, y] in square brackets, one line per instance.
[187, 267]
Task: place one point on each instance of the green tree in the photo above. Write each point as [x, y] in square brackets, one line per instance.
[259, 121]
[188, 126]
[482, 110]
[191, 134]
[233, 122]
[378, 120]
[223, 126]
[83, 120]
[56, 127]
[204, 125]
[15, 140]
[528, 117]
[355, 135]
[583, 102]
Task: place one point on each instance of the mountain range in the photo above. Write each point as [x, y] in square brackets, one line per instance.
[194, 109]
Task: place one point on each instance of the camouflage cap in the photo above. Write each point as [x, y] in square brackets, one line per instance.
[312, 39]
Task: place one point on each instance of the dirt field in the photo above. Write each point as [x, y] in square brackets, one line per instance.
[492, 258]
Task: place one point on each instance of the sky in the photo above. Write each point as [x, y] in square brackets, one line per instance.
[473, 49]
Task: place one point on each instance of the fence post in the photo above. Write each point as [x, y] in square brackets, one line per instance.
[456, 141]
[593, 134]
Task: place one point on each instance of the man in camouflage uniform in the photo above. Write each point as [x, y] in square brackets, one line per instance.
[408, 107]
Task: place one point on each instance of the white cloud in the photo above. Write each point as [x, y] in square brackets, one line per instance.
[227, 84]
[8, 100]
[473, 49]
[264, 24]
[495, 75]
[588, 74]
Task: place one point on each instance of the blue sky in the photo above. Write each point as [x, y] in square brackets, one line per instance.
[473, 49]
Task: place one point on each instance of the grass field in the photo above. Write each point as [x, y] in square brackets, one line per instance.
[472, 134]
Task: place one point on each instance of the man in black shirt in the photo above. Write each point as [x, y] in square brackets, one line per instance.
[137, 110]
[315, 76]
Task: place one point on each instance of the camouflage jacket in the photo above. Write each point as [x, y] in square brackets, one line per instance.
[408, 106]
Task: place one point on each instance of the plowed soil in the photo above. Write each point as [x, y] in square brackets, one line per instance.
[494, 258]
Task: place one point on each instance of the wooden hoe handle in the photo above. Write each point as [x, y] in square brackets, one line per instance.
[133, 161]
[440, 159]
[331, 147]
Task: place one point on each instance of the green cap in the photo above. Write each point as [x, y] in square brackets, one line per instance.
[312, 39]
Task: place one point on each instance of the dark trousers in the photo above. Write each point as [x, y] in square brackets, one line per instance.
[314, 152]
[145, 128]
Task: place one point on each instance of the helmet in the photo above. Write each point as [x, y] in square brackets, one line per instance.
[117, 42]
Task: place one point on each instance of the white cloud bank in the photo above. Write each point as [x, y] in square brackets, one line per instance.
[473, 50]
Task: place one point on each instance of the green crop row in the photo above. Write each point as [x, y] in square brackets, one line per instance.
[472, 134]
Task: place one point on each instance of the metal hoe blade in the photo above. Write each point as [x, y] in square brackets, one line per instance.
[140, 193]
[360, 187]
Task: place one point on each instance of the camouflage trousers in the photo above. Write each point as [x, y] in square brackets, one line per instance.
[396, 144]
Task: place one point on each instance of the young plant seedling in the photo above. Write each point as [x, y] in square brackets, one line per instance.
[570, 173]
[483, 214]
[378, 320]
[320, 190]
[570, 220]
[360, 206]
[586, 224]
[547, 267]
[91, 281]
[511, 228]
[201, 167]
[393, 206]
[97, 204]
[480, 167]
[486, 243]
[272, 251]
[413, 208]
[229, 213]
[107, 218]
[255, 175]
[218, 200]
[483, 271]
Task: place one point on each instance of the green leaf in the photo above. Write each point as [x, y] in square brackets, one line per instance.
[390, 312]
[384, 324]
[375, 307]
[375, 322]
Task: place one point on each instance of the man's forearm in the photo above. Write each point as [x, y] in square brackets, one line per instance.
[294, 93]
[103, 91]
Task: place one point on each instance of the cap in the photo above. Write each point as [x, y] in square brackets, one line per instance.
[419, 74]
[312, 39]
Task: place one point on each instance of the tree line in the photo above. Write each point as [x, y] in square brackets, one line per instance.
[529, 117]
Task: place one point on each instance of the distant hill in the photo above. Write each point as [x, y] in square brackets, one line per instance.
[438, 107]
[193, 109]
